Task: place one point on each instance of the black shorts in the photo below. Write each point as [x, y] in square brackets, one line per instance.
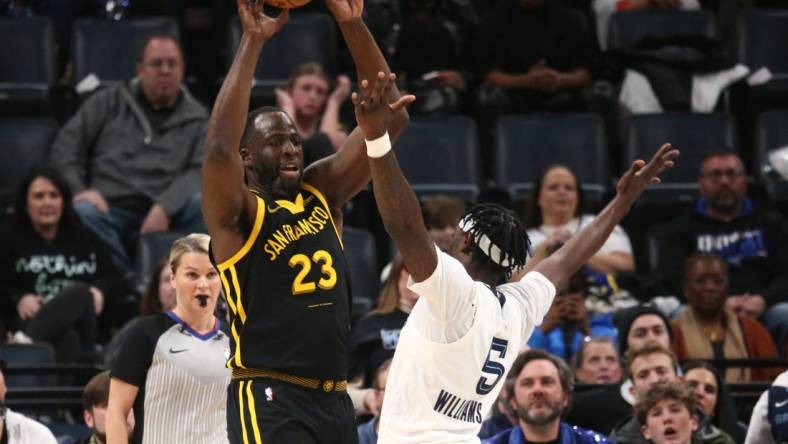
[264, 410]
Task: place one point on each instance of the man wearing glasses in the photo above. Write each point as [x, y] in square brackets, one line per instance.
[132, 152]
[753, 241]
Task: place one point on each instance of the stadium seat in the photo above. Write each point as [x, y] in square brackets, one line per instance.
[693, 134]
[763, 41]
[439, 155]
[110, 49]
[627, 28]
[361, 260]
[26, 81]
[151, 248]
[25, 144]
[306, 38]
[28, 355]
[526, 145]
[771, 132]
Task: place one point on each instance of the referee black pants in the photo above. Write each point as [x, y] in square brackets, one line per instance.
[264, 410]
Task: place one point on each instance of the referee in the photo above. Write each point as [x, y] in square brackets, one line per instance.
[170, 369]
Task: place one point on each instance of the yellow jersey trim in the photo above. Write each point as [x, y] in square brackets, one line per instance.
[253, 414]
[322, 198]
[258, 225]
[241, 411]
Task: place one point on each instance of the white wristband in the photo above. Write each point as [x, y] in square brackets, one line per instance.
[379, 147]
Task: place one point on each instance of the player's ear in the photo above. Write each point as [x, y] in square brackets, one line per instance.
[246, 157]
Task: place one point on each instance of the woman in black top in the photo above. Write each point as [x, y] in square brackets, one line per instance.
[55, 275]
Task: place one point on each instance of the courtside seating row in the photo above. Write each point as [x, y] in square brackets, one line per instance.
[108, 49]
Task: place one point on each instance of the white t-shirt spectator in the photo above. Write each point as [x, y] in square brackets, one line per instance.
[618, 240]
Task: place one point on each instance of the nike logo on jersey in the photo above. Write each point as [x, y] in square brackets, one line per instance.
[177, 351]
[780, 404]
[457, 408]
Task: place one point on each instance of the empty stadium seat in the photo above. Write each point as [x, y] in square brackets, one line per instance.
[25, 144]
[151, 248]
[763, 41]
[693, 134]
[110, 49]
[306, 38]
[439, 155]
[361, 259]
[526, 145]
[28, 355]
[771, 132]
[26, 81]
[627, 28]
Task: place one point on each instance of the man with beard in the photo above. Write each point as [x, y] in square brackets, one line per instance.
[276, 239]
[752, 240]
[539, 393]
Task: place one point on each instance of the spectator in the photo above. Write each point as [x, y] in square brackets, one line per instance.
[666, 412]
[94, 405]
[132, 153]
[707, 329]
[604, 408]
[568, 322]
[368, 432]
[431, 53]
[555, 213]
[527, 60]
[441, 216]
[597, 362]
[159, 295]
[55, 275]
[648, 365]
[375, 336]
[751, 239]
[539, 395]
[16, 428]
[767, 424]
[175, 360]
[313, 101]
[713, 398]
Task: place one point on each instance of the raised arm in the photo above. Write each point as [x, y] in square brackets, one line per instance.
[225, 197]
[577, 250]
[395, 199]
[342, 175]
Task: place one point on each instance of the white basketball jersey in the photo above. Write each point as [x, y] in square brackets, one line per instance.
[440, 392]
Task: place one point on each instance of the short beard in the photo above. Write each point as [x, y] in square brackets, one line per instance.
[554, 413]
[268, 179]
[725, 202]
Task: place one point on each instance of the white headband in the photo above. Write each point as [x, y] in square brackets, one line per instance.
[490, 249]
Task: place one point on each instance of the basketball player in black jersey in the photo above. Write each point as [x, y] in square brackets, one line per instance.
[276, 240]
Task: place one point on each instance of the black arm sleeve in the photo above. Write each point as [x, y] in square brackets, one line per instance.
[135, 354]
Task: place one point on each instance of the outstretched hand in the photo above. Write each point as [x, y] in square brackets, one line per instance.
[256, 23]
[345, 10]
[641, 174]
[373, 112]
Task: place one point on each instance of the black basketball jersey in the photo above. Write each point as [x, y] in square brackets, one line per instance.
[287, 289]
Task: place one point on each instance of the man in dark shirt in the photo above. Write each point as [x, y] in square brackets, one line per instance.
[534, 55]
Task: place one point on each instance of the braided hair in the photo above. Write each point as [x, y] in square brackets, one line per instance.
[505, 231]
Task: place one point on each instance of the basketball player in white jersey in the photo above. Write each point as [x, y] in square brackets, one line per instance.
[465, 331]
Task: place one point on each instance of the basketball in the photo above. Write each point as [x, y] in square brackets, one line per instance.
[287, 4]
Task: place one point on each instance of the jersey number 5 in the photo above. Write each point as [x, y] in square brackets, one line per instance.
[491, 367]
[329, 275]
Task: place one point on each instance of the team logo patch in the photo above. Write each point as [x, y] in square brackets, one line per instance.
[328, 386]
[269, 394]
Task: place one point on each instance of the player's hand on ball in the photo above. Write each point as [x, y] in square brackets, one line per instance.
[255, 23]
[346, 10]
[373, 111]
